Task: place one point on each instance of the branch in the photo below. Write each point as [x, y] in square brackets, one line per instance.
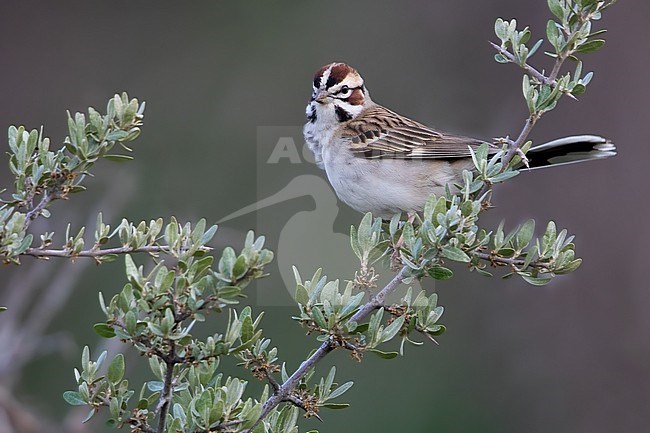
[223, 426]
[34, 213]
[66, 253]
[564, 54]
[514, 146]
[166, 395]
[508, 261]
[283, 392]
[496, 260]
[526, 67]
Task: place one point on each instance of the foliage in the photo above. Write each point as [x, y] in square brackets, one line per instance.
[43, 175]
[159, 309]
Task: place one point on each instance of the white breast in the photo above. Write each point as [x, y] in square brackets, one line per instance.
[384, 186]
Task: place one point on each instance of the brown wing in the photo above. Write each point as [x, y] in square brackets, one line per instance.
[381, 133]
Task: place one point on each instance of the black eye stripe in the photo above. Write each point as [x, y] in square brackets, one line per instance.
[349, 89]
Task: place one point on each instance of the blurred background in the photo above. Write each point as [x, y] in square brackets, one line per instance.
[224, 81]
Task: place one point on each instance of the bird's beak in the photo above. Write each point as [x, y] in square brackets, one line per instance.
[321, 96]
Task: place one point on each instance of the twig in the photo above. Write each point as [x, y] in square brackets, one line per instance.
[507, 261]
[36, 211]
[379, 298]
[224, 425]
[514, 146]
[38, 252]
[274, 383]
[526, 67]
[283, 392]
[166, 395]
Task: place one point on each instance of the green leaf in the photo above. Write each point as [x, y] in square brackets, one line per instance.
[437, 330]
[501, 177]
[118, 158]
[438, 272]
[104, 330]
[391, 330]
[246, 329]
[240, 268]
[24, 244]
[340, 390]
[302, 297]
[500, 58]
[382, 354]
[556, 9]
[525, 234]
[116, 369]
[131, 269]
[155, 385]
[455, 254]
[578, 89]
[318, 317]
[116, 135]
[549, 238]
[536, 281]
[553, 36]
[73, 398]
[394, 221]
[501, 29]
[209, 234]
[570, 267]
[89, 416]
[535, 48]
[591, 46]
[335, 405]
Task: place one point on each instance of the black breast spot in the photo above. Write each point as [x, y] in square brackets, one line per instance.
[341, 114]
[312, 115]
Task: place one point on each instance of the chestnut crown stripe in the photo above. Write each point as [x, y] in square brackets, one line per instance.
[334, 73]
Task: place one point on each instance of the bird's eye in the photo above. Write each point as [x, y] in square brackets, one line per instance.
[344, 89]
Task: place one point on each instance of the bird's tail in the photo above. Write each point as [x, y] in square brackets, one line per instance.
[568, 150]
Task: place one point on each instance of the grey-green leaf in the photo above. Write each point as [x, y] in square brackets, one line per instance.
[73, 398]
[116, 369]
[382, 354]
[438, 272]
[455, 254]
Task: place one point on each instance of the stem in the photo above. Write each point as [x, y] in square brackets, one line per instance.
[510, 261]
[526, 67]
[501, 260]
[521, 139]
[379, 298]
[37, 252]
[282, 393]
[550, 80]
[514, 147]
[36, 211]
[166, 395]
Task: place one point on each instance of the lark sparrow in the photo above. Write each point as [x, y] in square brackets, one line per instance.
[381, 162]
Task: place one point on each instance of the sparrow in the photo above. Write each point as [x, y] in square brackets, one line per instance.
[381, 162]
